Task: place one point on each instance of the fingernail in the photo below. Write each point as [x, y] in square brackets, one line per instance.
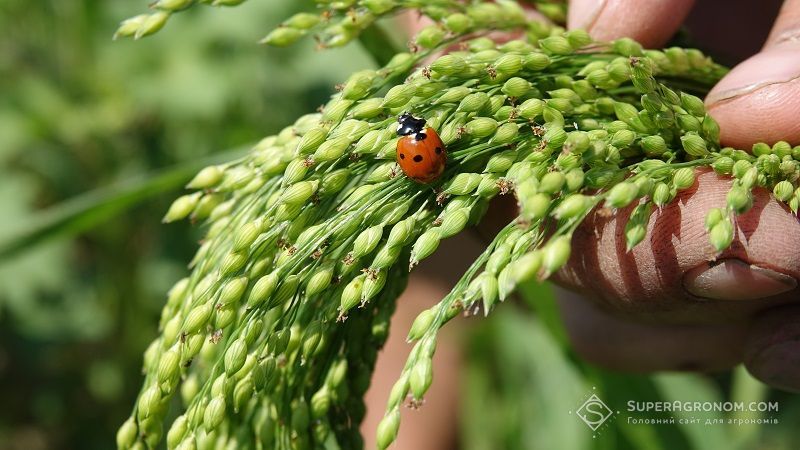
[778, 365]
[775, 65]
[734, 279]
[583, 13]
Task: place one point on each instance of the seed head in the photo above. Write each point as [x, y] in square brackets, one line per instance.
[420, 377]
[555, 254]
[198, 318]
[235, 356]
[783, 191]
[622, 194]
[710, 129]
[693, 105]
[426, 244]
[232, 290]
[489, 290]
[233, 263]
[253, 331]
[723, 165]
[713, 217]
[721, 234]
[311, 340]
[740, 199]
[214, 413]
[600, 78]
[430, 36]
[299, 193]
[508, 65]
[769, 164]
[463, 184]
[552, 182]
[627, 47]
[577, 142]
[177, 432]
[571, 206]
[536, 207]
[623, 138]
[147, 25]
[373, 284]
[282, 36]
[302, 21]
[149, 402]
[625, 111]
[168, 368]
[694, 145]
[556, 45]
[574, 179]
[182, 207]
[453, 95]
[206, 178]
[387, 429]
[421, 324]
[683, 178]
[749, 178]
[473, 102]
[351, 296]
[386, 256]
[399, 95]
[536, 61]
[555, 137]
[286, 290]
[516, 87]
[262, 290]
[481, 127]
[127, 433]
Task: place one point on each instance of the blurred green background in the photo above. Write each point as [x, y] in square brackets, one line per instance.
[120, 126]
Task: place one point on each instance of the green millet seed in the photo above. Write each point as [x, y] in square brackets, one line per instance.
[311, 235]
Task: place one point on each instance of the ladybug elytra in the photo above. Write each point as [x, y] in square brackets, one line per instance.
[420, 152]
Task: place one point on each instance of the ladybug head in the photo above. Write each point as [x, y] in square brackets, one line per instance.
[410, 125]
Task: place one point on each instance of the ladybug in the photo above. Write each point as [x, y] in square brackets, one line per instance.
[420, 151]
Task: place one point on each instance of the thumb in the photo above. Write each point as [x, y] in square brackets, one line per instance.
[651, 22]
[759, 100]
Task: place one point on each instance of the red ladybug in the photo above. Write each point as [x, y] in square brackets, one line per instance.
[420, 151]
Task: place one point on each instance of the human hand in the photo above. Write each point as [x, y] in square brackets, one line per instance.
[671, 303]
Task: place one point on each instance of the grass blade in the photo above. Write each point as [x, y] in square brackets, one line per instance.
[95, 207]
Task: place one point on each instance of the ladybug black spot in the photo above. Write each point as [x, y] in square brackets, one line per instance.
[402, 156]
[417, 158]
[438, 150]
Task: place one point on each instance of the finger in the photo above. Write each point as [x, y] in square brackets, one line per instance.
[613, 343]
[651, 22]
[787, 24]
[675, 275]
[772, 351]
[732, 33]
[759, 100]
